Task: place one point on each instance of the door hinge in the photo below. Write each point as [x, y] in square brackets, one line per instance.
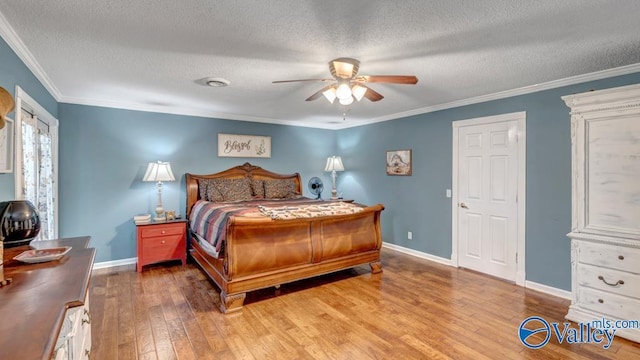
[516, 258]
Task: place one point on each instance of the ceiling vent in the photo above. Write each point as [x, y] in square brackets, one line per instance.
[217, 82]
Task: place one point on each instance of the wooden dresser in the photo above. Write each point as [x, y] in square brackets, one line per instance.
[605, 230]
[44, 312]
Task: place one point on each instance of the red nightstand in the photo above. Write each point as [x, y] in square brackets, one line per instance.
[162, 241]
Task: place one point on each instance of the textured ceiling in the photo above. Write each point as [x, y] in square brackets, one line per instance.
[152, 54]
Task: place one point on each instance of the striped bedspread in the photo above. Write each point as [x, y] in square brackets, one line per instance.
[208, 220]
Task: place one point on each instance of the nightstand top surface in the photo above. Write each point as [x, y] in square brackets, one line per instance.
[164, 222]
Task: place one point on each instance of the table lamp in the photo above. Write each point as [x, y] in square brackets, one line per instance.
[159, 172]
[334, 163]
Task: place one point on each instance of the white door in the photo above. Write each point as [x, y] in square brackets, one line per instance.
[487, 212]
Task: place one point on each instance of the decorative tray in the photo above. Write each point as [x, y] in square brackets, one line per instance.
[42, 255]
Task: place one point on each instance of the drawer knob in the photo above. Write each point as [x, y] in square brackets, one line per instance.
[601, 301]
[163, 241]
[163, 231]
[619, 282]
[620, 257]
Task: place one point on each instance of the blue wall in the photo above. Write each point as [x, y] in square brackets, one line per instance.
[104, 153]
[13, 72]
[417, 203]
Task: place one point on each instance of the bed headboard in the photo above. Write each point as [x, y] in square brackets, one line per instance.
[245, 170]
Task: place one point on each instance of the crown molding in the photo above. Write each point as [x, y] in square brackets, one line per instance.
[174, 110]
[598, 75]
[11, 37]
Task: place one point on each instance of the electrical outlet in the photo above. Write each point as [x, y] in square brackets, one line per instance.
[409, 235]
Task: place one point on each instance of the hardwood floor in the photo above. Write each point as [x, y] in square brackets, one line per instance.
[415, 309]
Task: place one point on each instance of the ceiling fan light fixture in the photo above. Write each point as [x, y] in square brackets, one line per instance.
[343, 91]
[347, 101]
[358, 91]
[330, 94]
[345, 68]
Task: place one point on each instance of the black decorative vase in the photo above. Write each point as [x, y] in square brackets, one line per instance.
[19, 222]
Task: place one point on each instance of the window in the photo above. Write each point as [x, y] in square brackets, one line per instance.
[36, 175]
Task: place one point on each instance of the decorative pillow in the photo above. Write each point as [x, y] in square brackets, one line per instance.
[202, 188]
[213, 193]
[257, 188]
[279, 189]
[235, 189]
[209, 190]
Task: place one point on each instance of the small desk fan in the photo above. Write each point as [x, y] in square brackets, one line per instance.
[316, 186]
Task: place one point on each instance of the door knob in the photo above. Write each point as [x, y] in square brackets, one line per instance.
[464, 206]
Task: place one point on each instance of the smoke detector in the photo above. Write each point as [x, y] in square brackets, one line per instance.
[217, 82]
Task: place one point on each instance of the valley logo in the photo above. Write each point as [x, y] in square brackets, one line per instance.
[535, 332]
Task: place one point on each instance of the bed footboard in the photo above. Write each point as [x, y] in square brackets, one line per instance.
[262, 254]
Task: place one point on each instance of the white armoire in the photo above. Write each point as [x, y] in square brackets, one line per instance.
[605, 228]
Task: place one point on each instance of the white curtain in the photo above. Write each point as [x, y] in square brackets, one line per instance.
[37, 172]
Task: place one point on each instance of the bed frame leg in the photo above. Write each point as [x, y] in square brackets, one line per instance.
[231, 303]
[376, 267]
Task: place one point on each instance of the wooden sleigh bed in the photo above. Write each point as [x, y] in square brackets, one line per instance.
[261, 251]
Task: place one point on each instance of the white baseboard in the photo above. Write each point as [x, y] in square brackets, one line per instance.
[417, 253]
[548, 290]
[527, 284]
[114, 263]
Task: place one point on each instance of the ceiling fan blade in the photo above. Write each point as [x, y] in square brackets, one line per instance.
[317, 94]
[392, 79]
[372, 95]
[300, 80]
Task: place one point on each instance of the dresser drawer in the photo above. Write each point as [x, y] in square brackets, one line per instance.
[617, 282]
[610, 256]
[162, 230]
[616, 306]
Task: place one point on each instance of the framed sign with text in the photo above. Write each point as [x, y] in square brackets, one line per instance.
[232, 145]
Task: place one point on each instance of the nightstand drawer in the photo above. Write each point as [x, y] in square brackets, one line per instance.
[162, 230]
[158, 250]
[161, 241]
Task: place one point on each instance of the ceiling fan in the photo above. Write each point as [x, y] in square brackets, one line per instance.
[347, 85]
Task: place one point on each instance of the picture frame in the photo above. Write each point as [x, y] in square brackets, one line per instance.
[6, 146]
[398, 162]
[234, 145]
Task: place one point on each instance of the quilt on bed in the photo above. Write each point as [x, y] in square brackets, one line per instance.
[208, 219]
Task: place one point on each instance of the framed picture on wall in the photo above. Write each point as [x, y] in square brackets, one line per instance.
[6, 147]
[233, 145]
[399, 162]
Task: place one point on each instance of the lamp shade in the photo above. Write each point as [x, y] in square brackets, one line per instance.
[334, 163]
[159, 171]
[330, 94]
[358, 91]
